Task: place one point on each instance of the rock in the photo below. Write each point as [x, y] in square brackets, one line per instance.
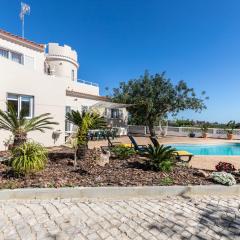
[201, 173]
[103, 159]
[224, 178]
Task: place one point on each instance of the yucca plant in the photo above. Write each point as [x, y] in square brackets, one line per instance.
[20, 126]
[84, 121]
[30, 157]
[161, 157]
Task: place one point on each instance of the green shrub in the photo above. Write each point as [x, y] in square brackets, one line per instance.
[166, 181]
[223, 178]
[28, 158]
[161, 157]
[123, 152]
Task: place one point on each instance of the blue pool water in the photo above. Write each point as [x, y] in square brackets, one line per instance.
[229, 149]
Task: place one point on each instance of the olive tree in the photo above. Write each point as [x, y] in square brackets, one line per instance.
[153, 97]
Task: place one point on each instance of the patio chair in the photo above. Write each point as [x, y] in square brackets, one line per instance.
[180, 154]
[138, 148]
[112, 144]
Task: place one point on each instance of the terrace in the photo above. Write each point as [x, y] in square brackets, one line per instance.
[198, 161]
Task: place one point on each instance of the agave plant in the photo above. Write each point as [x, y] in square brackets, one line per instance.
[84, 121]
[28, 158]
[20, 126]
[161, 157]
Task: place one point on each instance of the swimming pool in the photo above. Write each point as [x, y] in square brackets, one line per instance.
[228, 149]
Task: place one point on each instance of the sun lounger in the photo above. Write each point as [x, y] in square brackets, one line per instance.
[180, 154]
[137, 147]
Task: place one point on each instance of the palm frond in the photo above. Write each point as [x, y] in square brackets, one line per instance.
[85, 121]
[10, 121]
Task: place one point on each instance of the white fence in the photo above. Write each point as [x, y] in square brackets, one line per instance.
[184, 131]
[137, 129]
[142, 130]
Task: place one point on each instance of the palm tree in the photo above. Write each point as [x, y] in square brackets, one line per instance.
[20, 126]
[84, 121]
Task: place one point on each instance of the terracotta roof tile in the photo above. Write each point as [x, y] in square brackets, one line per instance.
[22, 41]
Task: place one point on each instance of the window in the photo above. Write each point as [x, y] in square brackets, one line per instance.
[26, 106]
[4, 53]
[68, 125]
[115, 113]
[84, 108]
[17, 57]
[21, 103]
[14, 56]
[72, 75]
[13, 101]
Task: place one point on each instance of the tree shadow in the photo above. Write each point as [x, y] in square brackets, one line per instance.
[138, 165]
[224, 221]
[10, 174]
[80, 171]
[56, 156]
[213, 222]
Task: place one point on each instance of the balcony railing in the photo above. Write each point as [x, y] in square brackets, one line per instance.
[88, 83]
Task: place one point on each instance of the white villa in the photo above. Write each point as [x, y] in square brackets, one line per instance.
[42, 78]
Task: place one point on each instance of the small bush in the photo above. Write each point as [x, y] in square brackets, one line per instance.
[123, 152]
[28, 158]
[223, 178]
[166, 181]
[225, 167]
[161, 157]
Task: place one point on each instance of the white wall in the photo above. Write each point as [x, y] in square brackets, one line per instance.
[212, 132]
[63, 59]
[83, 88]
[77, 103]
[48, 91]
[66, 51]
[38, 57]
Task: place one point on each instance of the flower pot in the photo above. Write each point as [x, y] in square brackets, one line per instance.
[204, 135]
[192, 135]
[229, 136]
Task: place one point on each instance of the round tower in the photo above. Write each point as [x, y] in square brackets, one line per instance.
[62, 61]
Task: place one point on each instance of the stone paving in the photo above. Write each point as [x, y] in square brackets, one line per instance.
[168, 218]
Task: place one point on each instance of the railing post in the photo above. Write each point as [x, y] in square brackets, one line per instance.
[180, 131]
[214, 132]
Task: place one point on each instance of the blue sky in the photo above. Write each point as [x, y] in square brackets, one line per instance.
[194, 40]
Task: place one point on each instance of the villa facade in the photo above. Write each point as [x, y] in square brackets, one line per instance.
[43, 79]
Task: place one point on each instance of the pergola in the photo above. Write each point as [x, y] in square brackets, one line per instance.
[113, 105]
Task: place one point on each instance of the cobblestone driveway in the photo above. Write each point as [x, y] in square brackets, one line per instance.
[168, 218]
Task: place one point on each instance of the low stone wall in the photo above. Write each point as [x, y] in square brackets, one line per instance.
[119, 192]
[183, 131]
